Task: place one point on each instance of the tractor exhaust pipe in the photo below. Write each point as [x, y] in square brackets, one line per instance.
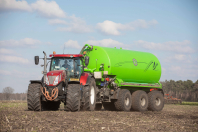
[45, 67]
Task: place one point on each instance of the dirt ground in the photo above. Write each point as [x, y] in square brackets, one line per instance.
[14, 116]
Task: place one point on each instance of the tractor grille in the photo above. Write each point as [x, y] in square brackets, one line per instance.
[51, 79]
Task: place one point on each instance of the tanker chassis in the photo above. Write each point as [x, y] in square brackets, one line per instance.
[117, 79]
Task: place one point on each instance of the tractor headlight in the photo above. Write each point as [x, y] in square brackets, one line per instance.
[46, 80]
[56, 80]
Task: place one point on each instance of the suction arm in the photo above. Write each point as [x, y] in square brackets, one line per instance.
[45, 68]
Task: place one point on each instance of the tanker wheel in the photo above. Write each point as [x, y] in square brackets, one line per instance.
[73, 98]
[89, 94]
[156, 101]
[109, 106]
[98, 107]
[50, 105]
[139, 100]
[34, 97]
[123, 103]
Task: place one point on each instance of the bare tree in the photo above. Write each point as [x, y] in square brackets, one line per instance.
[7, 92]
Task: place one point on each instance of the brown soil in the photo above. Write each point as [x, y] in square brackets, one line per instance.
[14, 116]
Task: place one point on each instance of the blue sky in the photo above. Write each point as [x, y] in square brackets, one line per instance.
[168, 29]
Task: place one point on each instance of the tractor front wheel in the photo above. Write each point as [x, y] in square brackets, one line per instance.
[73, 98]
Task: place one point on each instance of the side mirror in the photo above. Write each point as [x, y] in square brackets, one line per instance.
[86, 60]
[36, 60]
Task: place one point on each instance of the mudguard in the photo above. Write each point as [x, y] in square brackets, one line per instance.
[35, 81]
[85, 78]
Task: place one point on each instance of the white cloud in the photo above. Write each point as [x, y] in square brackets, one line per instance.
[20, 74]
[57, 21]
[6, 51]
[72, 44]
[174, 46]
[75, 24]
[13, 59]
[112, 28]
[184, 71]
[163, 70]
[29, 42]
[3, 72]
[180, 57]
[13, 5]
[107, 43]
[48, 9]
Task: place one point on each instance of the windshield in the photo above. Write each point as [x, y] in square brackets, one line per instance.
[73, 66]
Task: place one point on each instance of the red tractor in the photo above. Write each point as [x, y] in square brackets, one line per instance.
[65, 82]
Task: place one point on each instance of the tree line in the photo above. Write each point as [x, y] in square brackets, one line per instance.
[184, 90]
[8, 94]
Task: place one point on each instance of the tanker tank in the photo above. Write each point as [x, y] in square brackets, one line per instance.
[131, 68]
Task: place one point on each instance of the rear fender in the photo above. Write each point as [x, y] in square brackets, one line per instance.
[85, 79]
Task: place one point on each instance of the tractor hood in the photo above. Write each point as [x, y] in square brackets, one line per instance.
[55, 77]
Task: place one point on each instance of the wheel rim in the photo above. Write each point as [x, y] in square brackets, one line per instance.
[126, 101]
[143, 101]
[92, 96]
[157, 101]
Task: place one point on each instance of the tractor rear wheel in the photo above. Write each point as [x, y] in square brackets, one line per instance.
[156, 101]
[139, 100]
[73, 98]
[123, 103]
[89, 95]
[34, 97]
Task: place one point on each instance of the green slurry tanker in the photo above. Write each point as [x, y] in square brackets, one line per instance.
[117, 79]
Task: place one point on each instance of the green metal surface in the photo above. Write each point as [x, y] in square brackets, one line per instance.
[131, 68]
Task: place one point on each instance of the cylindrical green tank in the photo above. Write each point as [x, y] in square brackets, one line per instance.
[128, 65]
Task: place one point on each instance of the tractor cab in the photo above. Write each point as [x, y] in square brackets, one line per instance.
[71, 63]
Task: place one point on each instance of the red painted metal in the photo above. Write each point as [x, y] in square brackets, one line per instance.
[57, 73]
[65, 55]
[153, 89]
[107, 79]
[83, 78]
[170, 100]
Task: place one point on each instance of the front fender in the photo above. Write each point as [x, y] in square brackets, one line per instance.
[35, 81]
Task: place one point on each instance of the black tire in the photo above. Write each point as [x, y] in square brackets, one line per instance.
[156, 101]
[139, 101]
[34, 97]
[98, 107]
[50, 105]
[109, 106]
[123, 103]
[89, 95]
[73, 98]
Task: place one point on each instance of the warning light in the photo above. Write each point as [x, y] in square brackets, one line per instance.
[54, 52]
[84, 52]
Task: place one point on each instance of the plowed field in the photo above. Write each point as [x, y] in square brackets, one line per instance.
[14, 116]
